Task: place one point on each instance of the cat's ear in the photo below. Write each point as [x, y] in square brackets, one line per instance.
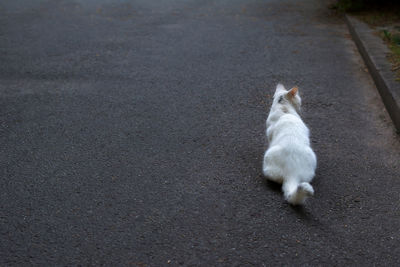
[292, 92]
[280, 87]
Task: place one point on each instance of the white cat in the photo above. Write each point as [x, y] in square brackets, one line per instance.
[289, 158]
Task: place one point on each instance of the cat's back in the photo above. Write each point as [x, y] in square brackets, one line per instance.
[291, 135]
[290, 128]
[291, 124]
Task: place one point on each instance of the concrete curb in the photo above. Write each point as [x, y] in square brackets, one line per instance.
[374, 52]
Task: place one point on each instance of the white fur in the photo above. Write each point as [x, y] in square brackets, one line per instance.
[289, 158]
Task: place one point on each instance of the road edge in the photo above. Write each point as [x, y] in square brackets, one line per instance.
[370, 47]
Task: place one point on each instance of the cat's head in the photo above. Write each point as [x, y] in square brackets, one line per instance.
[283, 97]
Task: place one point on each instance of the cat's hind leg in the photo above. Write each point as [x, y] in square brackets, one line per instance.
[295, 193]
[305, 189]
[271, 166]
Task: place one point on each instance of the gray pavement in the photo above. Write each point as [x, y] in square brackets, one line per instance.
[132, 133]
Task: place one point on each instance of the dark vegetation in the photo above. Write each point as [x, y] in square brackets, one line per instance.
[382, 15]
[364, 5]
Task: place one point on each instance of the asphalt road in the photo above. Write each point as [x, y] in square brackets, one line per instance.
[132, 133]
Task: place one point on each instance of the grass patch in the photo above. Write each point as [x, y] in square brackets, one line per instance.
[392, 39]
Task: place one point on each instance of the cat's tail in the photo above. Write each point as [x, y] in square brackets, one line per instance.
[296, 194]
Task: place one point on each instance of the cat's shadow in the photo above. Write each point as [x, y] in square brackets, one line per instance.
[303, 214]
[300, 211]
[276, 187]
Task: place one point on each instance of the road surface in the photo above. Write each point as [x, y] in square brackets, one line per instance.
[132, 134]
